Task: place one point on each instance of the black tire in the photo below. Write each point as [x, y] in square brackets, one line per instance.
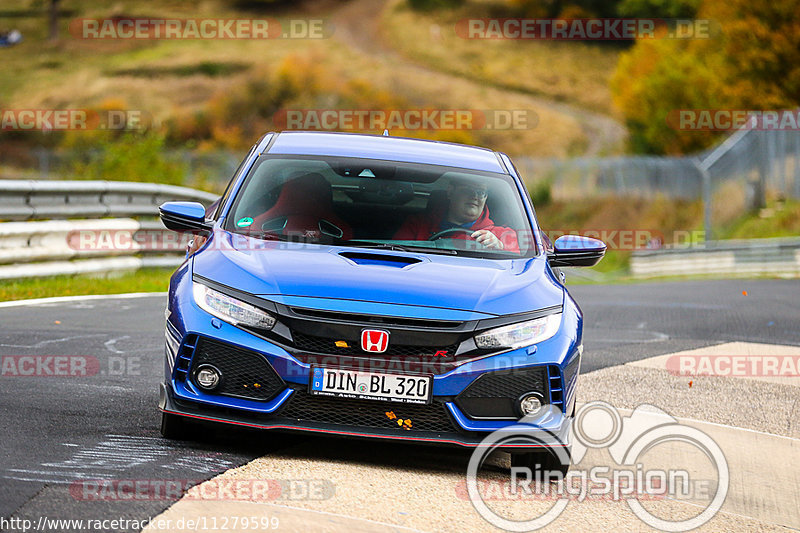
[544, 461]
[173, 427]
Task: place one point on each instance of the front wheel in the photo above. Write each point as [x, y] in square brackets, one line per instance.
[549, 462]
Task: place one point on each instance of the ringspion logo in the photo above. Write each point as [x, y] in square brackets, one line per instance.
[623, 478]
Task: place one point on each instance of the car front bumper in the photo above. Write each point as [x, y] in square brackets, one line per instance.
[551, 368]
[457, 436]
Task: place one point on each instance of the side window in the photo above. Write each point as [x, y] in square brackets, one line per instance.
[219, 203]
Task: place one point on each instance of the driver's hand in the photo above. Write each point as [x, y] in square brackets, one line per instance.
[488, 239]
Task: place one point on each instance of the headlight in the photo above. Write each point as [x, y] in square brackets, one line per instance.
[521, 334]
[230, 309]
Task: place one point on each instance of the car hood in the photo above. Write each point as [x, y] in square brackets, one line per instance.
[294, 273]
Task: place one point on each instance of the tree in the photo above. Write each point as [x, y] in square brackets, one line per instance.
[751, 62]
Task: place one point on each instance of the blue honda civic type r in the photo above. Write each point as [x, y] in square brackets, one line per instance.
[373, 287]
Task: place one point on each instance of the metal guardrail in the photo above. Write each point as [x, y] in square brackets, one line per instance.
[87, 266]
[58, 247]
[30, 199]
[62, 247]
[57, 163]
[753, 257]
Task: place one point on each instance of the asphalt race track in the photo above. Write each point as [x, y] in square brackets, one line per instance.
[56, 430]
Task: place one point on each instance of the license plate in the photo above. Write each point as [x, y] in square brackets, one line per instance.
[344, 383]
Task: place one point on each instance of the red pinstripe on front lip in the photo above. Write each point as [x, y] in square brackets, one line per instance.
[327, 431]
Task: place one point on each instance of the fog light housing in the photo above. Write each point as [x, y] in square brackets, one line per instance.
[207, 377]
[530, 403]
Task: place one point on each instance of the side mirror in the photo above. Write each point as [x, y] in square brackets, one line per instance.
[576, 251]
[184, 216]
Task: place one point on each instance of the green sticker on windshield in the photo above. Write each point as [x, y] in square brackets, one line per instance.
[244, 222]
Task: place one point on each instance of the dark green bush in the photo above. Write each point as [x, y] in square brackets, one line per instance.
[430, 5]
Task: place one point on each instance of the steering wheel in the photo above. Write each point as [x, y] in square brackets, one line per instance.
[443, 233]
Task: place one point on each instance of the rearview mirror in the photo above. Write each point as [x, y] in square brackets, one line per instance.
[576, 251]
[184, 216]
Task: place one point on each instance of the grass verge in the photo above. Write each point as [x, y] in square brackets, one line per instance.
[571, 72]
[145, 280]
[617, 221]
[781, 218]
[164, 81]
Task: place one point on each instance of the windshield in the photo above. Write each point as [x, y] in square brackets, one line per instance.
[382, 204]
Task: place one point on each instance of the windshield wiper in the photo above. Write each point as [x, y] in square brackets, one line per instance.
[399, 247]
[268, 236]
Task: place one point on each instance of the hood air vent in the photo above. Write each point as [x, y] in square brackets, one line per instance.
[367, 258]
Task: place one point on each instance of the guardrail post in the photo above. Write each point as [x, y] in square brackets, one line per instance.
[797, 165]
[705, 176]
[43, 156]
[759, 196]
[781, 162]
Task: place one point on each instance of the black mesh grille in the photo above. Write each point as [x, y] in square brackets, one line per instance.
[494, 395]
[327, 346]
[373, 319]
[245, 374]
[571, 372]
[368, 413]
[509, 384]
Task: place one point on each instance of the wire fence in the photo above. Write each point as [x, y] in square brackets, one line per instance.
[741, 173]
[757, 163]
[639, 176]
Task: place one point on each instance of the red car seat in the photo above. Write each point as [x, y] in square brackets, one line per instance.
[306, 203]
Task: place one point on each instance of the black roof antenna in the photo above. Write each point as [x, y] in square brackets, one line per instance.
[386, 133]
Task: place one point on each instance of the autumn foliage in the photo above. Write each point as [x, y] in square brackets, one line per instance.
[750, 61]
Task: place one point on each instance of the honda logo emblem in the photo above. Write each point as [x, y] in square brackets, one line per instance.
[374, 340]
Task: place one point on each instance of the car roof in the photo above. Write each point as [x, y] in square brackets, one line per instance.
[386, 148]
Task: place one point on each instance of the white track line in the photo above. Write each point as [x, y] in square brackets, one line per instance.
[62, 299]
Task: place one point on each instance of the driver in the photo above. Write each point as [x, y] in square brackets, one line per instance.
[465, 210]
